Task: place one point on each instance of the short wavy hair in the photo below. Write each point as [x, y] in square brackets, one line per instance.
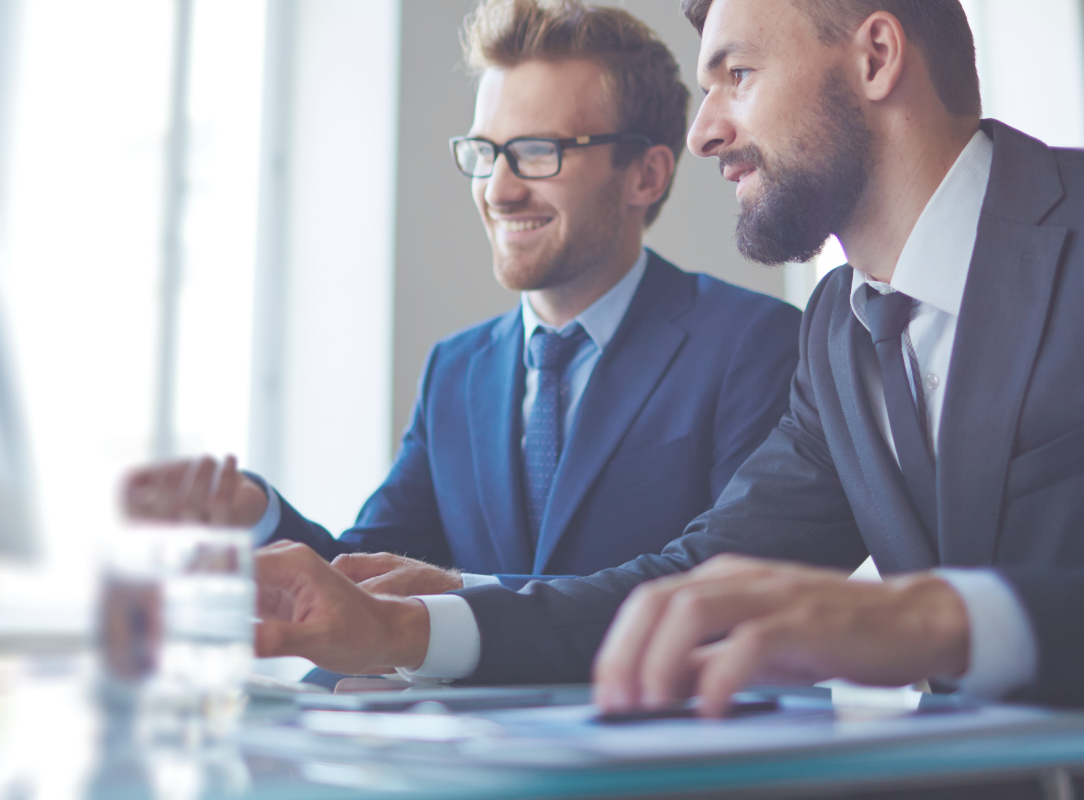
[641, 71]
[939, 28]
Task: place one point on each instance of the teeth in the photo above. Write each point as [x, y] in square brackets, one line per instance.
[515, 225]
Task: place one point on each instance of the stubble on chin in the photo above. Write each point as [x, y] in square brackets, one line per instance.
[572, 251]
[524, 272]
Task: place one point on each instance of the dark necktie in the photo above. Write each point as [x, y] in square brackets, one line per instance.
[888, 315]
[549, 353]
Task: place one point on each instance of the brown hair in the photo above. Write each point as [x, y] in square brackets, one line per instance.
[937, 27]
[643, 75]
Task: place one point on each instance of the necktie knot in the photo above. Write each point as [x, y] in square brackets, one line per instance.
[552, 351]
[887, 314]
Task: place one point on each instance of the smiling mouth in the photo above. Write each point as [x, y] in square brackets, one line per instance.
[519, 225]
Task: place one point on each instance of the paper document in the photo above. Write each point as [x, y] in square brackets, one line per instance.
[571, 736]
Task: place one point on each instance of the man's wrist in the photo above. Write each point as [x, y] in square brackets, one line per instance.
[936, 609]
[264, 528]
[1002, 651]
[407, 629]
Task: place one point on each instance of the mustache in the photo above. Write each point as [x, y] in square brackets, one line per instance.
[750, 154]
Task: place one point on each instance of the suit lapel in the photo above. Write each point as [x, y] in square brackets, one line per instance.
[1002, 318]
[495, 381]
[624, 378]
[907, 545]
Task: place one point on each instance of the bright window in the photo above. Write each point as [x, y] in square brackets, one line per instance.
[83, 256]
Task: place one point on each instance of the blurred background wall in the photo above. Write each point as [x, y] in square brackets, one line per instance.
[234, 226]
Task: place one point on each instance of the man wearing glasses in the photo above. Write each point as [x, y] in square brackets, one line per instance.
[588, 425]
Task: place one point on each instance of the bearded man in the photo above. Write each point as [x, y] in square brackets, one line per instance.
[588, 425]
[936, 419]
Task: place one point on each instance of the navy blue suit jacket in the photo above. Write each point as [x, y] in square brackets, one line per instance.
[693, 380]
[824, 488]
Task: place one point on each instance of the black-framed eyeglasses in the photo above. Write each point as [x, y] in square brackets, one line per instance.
[528, 156]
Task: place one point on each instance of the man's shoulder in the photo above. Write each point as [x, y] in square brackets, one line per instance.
[1071, 167]
[467, 341]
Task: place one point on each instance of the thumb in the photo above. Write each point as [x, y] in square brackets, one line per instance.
[360, 567]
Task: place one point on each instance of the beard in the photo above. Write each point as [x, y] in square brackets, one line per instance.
[589, 245]
[810, 193]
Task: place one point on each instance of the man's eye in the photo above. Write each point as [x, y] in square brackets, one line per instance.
[740, 74]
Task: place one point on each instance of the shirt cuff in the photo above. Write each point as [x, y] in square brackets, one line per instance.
[455, 643]
[263, 530]
[1004, 655]
[470, 579]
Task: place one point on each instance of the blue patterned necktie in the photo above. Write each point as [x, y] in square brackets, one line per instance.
[549, 353]
[888, 315]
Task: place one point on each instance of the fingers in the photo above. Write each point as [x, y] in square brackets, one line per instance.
[283, 638]
[405, 582]
[194, 490]
[788, 623]
[192, 501]
[701, 610]
[173, 491]
[149, 493]
[730, 665]
[360, 567]
[280, 565]
[220, 507]
[383, 573]
[655, 650]
[332, 621]
[616, 668]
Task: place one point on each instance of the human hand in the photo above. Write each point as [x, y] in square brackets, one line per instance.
[309, 609]
[783, 623]
[384, 573]
[194, 490]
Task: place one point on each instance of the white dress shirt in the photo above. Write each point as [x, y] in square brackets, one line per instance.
[932, 269]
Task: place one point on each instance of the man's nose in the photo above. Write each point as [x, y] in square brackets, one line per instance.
[504, 186]
[713, 130]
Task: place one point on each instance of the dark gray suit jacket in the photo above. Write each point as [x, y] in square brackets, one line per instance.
[824, 488]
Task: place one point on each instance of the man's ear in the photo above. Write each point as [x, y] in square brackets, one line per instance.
[881, 48]
[649, 176]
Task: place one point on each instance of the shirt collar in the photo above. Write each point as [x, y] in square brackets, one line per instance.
[601, 318]
[937, 255]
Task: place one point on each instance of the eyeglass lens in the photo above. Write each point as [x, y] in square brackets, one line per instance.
[531, 158]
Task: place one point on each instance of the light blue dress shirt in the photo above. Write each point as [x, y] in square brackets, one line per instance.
[600, 321]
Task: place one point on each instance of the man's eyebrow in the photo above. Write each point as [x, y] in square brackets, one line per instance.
[535, 135]
[730, 49]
